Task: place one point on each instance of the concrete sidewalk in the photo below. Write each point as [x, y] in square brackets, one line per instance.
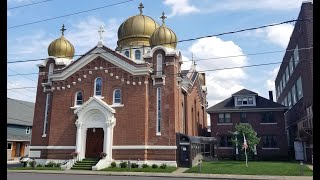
[180, 175]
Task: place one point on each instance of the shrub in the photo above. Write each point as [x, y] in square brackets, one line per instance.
[50, 164]
[113, 164]
[123, 164]
[134, 165]
[58, 165]
[39, 165]
[163, 166]
[32, 163]
[145, 165]
[154, 166]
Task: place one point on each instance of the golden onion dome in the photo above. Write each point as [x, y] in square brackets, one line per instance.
[164, 36]
[136, 30]
[61, 47]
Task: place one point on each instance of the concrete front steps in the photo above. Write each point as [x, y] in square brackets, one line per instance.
[85, 164]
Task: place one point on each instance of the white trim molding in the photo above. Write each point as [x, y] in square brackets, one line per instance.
[52, 147]
[144, 147]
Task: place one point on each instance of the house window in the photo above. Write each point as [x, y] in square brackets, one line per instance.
[224, 118]
[239, 101]
[281, 86]
[299, 89]
[117, 96]
[137, 54]
[243, 118]
[225, 141]
[79, 98]
[245, 100]
[269, 142]
[158, 110]
[250, 100]
[268, 117]
[28, 130]
[98, 87]
[296, 55]
[9, 145]
[287, 74]
[159, 64]
[127, 53]
[294, 95]
[46, 114]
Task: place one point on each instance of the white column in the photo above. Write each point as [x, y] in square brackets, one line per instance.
[78, 138]
[105, 136]
[83, 142]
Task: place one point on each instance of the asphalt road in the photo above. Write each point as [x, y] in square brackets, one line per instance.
[35, 176]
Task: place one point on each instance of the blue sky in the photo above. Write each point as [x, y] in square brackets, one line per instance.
[187, 18]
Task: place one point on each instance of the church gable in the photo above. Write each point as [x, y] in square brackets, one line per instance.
[105, 57]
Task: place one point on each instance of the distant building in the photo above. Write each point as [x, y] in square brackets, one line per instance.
[294, 83]
[19, 127]
[265, 116]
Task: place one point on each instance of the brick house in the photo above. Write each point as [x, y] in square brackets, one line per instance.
[129, 102]
[265, 116]
[294, 83]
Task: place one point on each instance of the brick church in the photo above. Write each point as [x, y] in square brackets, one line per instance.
[128, 103]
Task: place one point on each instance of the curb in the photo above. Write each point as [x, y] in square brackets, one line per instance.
[171, 175]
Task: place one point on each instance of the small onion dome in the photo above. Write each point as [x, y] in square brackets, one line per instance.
[164, 36]
[201, 79]
[136, 30]
[61, 47]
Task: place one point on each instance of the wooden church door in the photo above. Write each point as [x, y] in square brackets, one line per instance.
[94, 144]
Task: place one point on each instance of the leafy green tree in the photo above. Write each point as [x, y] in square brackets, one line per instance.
[248, 131]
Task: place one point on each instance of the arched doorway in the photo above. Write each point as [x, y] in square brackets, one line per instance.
[94, 142]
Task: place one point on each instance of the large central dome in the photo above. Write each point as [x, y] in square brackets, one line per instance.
[136, 30]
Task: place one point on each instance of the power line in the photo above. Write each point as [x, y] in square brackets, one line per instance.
[21, 88]
[197, 60]
[208, 70]
[21, 75]
[30, 4]
[80, 12]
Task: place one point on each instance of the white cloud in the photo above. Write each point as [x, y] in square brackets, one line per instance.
[270, 84]
[180, 7]
[231, 5]
[223, 83]
[280, 34]
[83, 35]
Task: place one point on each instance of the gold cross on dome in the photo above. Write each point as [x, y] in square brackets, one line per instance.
[140, 7]
[163, 17]
[62, 29]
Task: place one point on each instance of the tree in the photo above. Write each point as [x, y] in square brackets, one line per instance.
[248, 131]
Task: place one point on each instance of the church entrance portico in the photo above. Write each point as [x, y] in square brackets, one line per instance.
[94, 129]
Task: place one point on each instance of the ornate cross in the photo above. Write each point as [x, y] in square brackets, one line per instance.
[163, 17]
[62, 29]
[101, 30]
[140, 7]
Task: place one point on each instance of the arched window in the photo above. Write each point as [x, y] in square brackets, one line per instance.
[137, 54]
[159, 64]
[98, 87]
[117, 96]
[78, 98]
[126, 53]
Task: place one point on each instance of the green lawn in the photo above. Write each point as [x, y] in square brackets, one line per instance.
[254, 168]
[149, 169]
[36, 168]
